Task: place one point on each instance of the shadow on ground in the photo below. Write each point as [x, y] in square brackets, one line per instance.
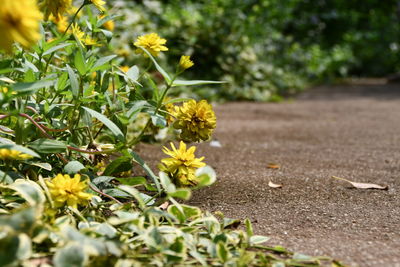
[350, 131]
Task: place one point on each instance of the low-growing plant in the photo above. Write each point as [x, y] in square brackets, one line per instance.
[71, 118]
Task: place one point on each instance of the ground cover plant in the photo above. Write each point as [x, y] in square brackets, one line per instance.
[73, 189]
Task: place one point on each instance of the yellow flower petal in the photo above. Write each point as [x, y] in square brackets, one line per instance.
[65, 190]
[152, 43]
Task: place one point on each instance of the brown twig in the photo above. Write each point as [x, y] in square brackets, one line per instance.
[93, 152]
[54, 130]
[104, 194]
[3, 116]
[43, 131]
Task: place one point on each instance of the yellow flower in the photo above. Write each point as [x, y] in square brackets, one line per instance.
[124, 68]
[19, 22]
[99, 4]
[185, 62]
[109, 24]
[55, 7]
[77, 32]
[181, 165]
[90, 41]
[11, 154]
[65, 190]
[153, 43]
[169, 109]
[72, 11]
[123, 52]
[81, 37]
[61, 22]
[196, 120]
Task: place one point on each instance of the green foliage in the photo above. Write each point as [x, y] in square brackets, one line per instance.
[181, 236]
[268, 49]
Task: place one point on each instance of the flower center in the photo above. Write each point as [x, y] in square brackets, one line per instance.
[11, 20]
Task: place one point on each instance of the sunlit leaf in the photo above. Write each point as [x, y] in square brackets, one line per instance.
[107, 122]
[28, 190]
[71, 255]
[48, 146]
[73, 167]
[158, 67]
[194, 82]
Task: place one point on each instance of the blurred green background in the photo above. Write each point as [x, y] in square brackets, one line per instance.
[267, 49]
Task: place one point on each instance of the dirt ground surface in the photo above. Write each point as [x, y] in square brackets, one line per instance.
[348, 131]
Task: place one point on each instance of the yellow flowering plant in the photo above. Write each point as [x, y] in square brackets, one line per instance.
[65, 190]
[74, 106]
[69, 92]
[181, 165]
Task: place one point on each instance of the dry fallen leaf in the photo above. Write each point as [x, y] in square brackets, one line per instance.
[271, 184]
[164, 205]
[273, 166]
[363, 185]
[215, 143]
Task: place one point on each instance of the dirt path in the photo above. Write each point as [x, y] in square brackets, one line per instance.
[348, 131]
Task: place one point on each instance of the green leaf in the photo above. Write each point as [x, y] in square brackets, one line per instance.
[62, 81]
[55, 48]
[30, 88]
[107, 34]
[73, 79]
[222, 252]
[133, 73]
[103, 181]
[191, 212]
[48, 146]
[116, 192]
[102, 62]
[158, 120]
[138, 180]
[136, 108]
[158, 67]
[231, 223]
[176, 100]
[43, 165]
[175, 211]
[5, 178]
[20, 149]
[278, 264]
[249, 227]
[258, 239]
[103, 20]
[21, 221]
[24, 247]
[79, 62]
[73, 167]
[3, 71]
[121, 164]
[108, 123]
[71, 255]
[194, 82]
[28, 190]
[166, 183]
[135, 193]
[302, 257]
[14, 247]
[147, 169]
[182, 193]
[205, 176]
[107, 230]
